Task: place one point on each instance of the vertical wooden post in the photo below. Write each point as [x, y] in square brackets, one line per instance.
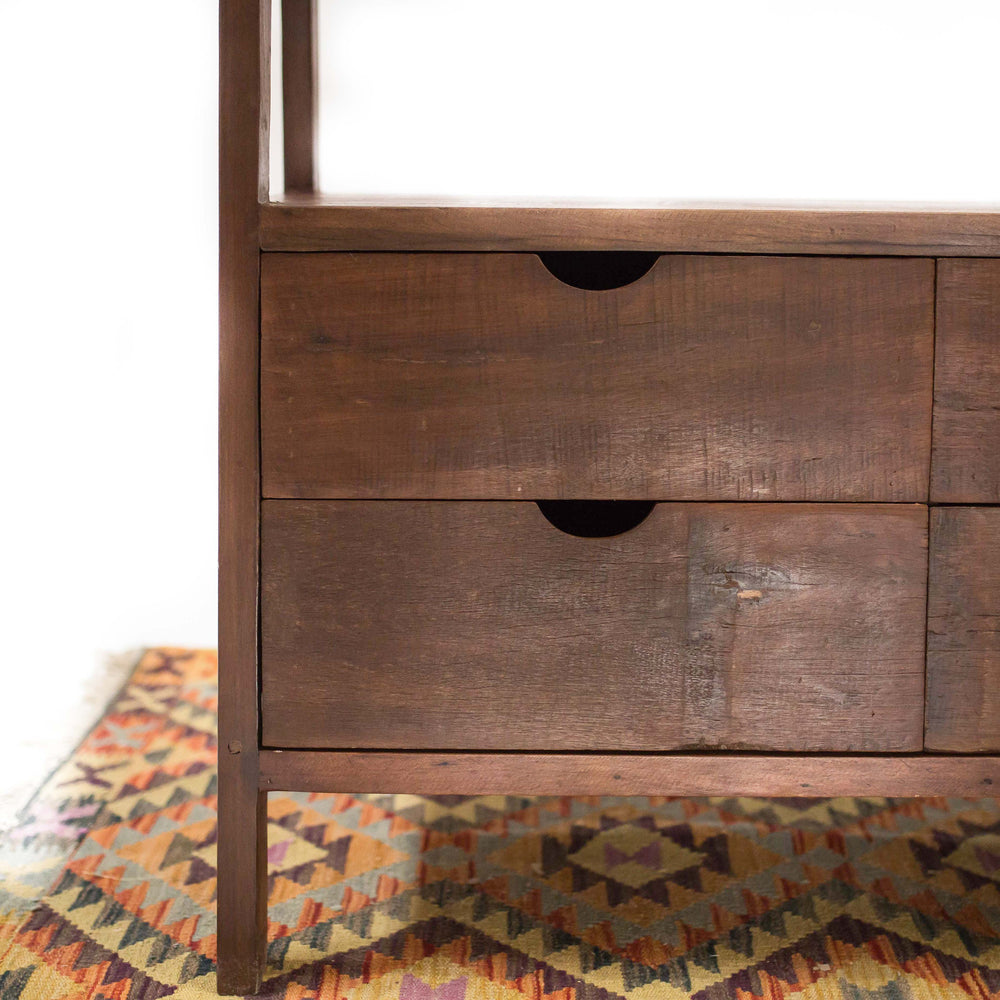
[298, 81]
[244, 84]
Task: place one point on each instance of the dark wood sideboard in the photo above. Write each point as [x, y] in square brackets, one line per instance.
[731, 524]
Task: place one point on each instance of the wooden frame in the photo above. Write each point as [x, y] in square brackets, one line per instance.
[319, 223]
[244, 82]
[298, 84]
[781, 775]
[303, 221]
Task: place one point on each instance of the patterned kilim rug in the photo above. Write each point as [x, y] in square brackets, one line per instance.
[108, 886]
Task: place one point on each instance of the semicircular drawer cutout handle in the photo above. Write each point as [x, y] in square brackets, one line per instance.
[595, 518]
[598, 270]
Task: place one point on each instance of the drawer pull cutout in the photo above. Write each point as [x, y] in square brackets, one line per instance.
[598, 270]
[595, 518]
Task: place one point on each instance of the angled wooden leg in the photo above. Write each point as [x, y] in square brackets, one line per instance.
[242, 890]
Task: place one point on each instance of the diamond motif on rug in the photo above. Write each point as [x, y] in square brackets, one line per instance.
[107, 888]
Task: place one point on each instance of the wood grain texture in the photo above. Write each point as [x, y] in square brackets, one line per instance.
[966, 458]
[618, 774]
[963, 630]
[244, 86]
[481, 626]
[320, 223]
[483, 376]
[298, 80]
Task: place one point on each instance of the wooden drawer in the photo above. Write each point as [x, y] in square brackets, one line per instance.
[966, 462]
[482, 376]
[479, 625]
[963, 630]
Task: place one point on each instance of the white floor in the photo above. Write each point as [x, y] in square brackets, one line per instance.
[36, 741]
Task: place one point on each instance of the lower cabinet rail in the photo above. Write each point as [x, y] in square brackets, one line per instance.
[457, 773]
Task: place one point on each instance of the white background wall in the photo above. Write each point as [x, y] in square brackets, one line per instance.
[108, 364]
[653, 99]
[108, 172]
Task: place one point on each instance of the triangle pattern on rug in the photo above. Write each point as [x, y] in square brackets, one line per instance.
[109, 885]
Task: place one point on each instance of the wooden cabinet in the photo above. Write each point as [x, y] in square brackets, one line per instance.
[430, 432]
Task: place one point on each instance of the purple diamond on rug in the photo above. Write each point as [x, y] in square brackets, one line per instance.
[416, 989]
[989, 860]
[276, 852]
[648, 855]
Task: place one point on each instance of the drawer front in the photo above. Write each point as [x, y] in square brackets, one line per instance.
[963, 630]
[479, 625]
[483, 376]
[966, 462]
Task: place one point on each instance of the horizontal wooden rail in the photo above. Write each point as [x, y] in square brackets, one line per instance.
[317, 223]
[430, 773]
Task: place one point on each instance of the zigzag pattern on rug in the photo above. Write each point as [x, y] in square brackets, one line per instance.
[108, 886]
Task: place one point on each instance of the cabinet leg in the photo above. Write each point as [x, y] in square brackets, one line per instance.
[242, 885]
